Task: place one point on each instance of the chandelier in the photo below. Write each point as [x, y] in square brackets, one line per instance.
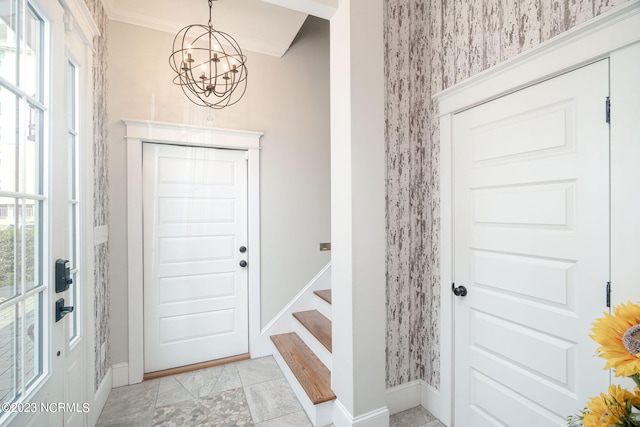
[209, 65]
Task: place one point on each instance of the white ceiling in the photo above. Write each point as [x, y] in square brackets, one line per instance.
[258, 26]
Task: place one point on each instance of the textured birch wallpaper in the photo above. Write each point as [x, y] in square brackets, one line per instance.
[101, 190]
[430, 46]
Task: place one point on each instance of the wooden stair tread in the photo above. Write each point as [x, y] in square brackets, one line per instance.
[325, 294]
[312, 374]
[317, 324]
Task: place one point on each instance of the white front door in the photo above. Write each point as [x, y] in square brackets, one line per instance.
[195, 252]
[39, 220]
[531, 247]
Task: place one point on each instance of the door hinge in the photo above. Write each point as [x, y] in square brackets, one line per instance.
[608, 294]
[608, 110]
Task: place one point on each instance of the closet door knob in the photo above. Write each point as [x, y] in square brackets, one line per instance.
[459, 291]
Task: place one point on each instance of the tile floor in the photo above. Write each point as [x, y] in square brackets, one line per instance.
[247, 393]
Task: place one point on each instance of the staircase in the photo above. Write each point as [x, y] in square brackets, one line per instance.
[305, 358]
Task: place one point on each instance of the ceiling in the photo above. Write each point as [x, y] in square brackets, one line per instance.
[256, 25]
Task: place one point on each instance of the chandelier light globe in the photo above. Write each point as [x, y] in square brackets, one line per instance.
[209, 65]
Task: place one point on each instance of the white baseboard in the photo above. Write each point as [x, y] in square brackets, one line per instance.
[375, 418]
[120, 374]
[412, 394]
[100, 397]
[403, 397]
[431, 400]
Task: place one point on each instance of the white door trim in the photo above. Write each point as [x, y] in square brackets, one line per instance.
[598, 38]
[139, 131]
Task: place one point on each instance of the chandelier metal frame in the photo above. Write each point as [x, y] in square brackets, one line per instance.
[209, 65]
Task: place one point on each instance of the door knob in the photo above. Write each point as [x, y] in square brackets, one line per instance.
[243, 249]
[459, 291]
[61, 310]
[243, 263]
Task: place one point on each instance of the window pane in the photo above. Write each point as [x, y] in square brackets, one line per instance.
[8, 140]
[8, 346]
[8, 39]
[32, 59]
[72, 96]
[31, 181]
[29, 236]
[33, 339]
[72, 167]
[8, 225]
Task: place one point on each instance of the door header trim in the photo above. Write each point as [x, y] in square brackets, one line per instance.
[581, 45]
[181, 134]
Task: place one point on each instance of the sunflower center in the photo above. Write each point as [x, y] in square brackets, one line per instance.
[631, 340]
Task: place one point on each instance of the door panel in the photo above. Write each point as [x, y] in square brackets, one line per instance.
[195, 221]
[531, 228]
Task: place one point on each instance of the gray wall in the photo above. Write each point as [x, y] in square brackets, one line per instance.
[430, 46]
[288, 99]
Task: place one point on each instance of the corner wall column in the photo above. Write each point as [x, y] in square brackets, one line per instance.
[358, 213]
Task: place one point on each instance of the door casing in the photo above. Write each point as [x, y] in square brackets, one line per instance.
[138, 132]
[613, 35]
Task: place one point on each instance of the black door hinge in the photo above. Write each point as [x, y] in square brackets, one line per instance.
[608, 110]
[608, 294]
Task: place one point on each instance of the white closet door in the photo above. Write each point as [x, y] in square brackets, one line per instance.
[531, 228]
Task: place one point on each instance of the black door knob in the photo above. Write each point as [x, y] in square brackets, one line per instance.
[459, 291]
[243, 249]
[243, 263]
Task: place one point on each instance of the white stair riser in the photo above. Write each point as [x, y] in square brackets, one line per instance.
[323, 307]
[312, 342]
[320, 414]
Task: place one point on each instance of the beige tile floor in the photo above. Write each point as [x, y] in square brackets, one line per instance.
[247, 393]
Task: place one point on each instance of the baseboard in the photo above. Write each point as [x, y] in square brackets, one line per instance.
[431, 400]
[375, 418]
[403, 397]
[120, 374]
[101, 395]
[412, 394]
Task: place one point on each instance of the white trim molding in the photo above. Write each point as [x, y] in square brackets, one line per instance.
[343, 418]
[412, 394]
[120, 374]
[139, 131]
[100, 396]
[606, 36]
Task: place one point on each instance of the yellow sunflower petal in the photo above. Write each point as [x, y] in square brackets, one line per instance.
[608, 332]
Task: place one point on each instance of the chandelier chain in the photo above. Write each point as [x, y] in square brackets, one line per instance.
[210, 7]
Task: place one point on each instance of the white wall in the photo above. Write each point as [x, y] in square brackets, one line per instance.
[358, 214]
[288, 99]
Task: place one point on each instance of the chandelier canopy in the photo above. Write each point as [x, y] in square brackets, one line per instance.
[209, 65]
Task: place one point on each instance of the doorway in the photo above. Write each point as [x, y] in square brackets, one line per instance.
[531, 250]
[137, 132]
[571, 51]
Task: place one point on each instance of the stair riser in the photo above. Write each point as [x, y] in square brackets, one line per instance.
[321, 351]
[323, 307]
[321, 414]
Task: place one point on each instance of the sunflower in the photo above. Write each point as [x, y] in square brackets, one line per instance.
[618, 336]
[611, 409]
